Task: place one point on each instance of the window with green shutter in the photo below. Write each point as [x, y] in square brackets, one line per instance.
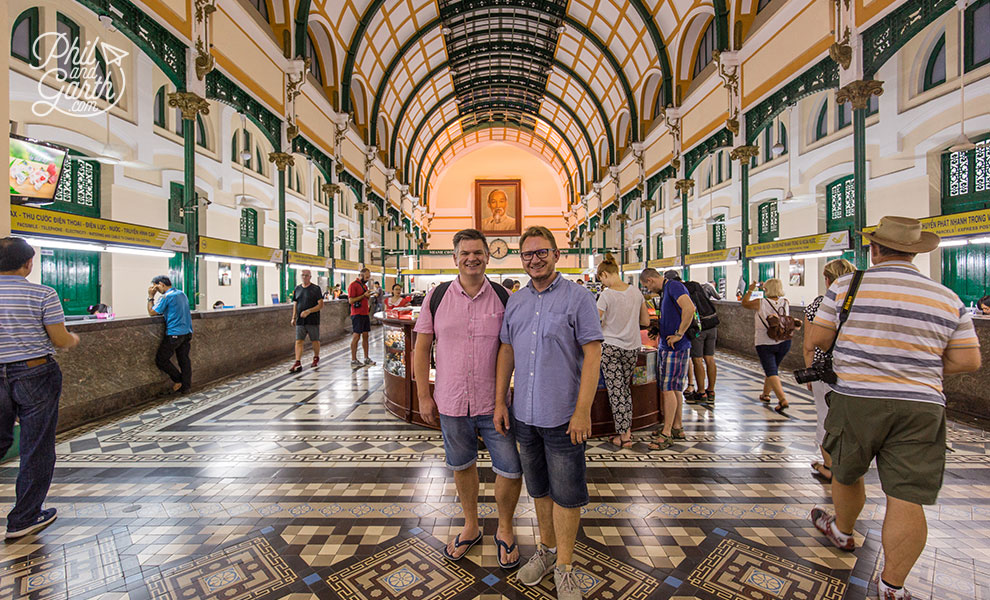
[840, 207]
[78, 190]
[23, 35]
[821, 125]
[249, 226]
[68, 30]
[159, 108]
[769, 221]
[976, 50]
[175, 197]
[291, 231]
[718, 233]
[935, 67]
[321, 243]
[966, 187]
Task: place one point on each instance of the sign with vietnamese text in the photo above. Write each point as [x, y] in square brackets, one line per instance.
[823, 242]
[28, 220]
[218, 247]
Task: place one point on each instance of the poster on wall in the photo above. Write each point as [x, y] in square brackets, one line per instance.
[797, 272]
[498, 206]
[224, 273]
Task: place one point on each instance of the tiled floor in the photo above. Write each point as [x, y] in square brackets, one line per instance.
[301, 486]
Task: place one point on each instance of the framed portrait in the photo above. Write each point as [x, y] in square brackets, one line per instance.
[498, 207]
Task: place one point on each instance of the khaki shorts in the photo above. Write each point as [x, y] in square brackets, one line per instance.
[907, 438]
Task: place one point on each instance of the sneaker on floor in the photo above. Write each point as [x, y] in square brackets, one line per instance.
[886, 593]
[565, 580]
[316, 362]
[44, 520]
[825, 523]
[537, 567]
[368, 362]
[356, 364]
[296, 367]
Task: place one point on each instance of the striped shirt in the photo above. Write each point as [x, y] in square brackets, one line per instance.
[892, 343]
[25, 309]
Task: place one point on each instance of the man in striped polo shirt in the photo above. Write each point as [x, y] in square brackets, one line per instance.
[31, 325]
[904, 332]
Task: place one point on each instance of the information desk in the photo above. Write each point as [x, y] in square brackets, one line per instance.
[400, 388]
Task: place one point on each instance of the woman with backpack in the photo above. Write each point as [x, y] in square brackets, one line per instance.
[622, 310]
[774, 328]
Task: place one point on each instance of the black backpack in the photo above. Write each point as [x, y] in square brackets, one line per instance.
[437, 297]
[706, 310]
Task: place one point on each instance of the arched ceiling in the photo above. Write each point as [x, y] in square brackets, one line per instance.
[420, 75]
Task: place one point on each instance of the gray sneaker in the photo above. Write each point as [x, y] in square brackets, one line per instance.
[356, 364]
[537, 567]
[565, 579]
[368, 362]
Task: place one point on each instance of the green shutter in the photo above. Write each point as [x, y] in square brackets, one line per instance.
[175, 199]
[840, 204]
[966, 187]
[321, 243]
[769, 221]
[78, 190]
[75, 276]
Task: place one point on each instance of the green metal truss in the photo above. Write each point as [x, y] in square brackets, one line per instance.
[822, 75]
[888, 35]
[323, 162]
[220, 87]
[693, 157]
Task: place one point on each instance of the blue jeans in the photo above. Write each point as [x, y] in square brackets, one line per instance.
[771, 356]
[552, 465]
[31, 394]
[460, 443]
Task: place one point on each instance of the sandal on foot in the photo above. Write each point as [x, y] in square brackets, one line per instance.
[500, 546]
[662, 442]
[677, 434]
[779, 409]
[457, 544]
[818, 471]
[764, 397]
[621, 443]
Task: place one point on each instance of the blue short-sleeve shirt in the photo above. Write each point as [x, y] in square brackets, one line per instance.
[174, 306]
[670, 315]
[546, 331]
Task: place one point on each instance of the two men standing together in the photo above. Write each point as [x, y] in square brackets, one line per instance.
[549, 335]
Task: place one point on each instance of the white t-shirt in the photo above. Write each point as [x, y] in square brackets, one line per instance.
[768, 307]
[620, 323]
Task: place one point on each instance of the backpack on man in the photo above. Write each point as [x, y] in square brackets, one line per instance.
[437, 296]
[780, 325]
[707, 315]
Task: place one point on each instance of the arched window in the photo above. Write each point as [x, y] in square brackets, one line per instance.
[761, 5]
[22, 36]
[104, 80]
[821, 125]
[844, 116]
[249, 226]
[782, 136]
[976, 52]
[69, 31]
[261, 6]
[314, 63]
[935, 66]
[159, 108]
[706, 50]
[200, 132]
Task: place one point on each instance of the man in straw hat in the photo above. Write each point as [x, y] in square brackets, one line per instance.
[903, 332]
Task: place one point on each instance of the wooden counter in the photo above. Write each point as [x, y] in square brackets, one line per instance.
[400, 387]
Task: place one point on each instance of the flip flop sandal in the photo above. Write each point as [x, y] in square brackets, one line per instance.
[508, 550]
[816, 472]
[457, 544]
[764, 397]
[622, 444]
[780, 409]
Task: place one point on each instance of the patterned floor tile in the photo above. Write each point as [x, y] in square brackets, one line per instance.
[599, 576]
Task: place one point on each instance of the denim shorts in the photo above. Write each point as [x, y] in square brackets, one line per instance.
[460, 443]
[771, 356]
[552, 464]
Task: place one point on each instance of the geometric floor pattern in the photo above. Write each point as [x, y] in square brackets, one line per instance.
[302, 487]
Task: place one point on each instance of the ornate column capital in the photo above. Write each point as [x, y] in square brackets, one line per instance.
[361, 207]
[281, 160]
[684, 185]
[744, 154]
[622, 217]
[858, 93]
[189, 103]
[330, 188]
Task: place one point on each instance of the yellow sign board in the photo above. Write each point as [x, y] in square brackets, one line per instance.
[430, 272]
[38, 221]
[823, 242]
[349, 265]
[218, 247]
[375, 268]
[975, 222]
[632, 266]
[728, 254]
[308, 260]
[664, 263]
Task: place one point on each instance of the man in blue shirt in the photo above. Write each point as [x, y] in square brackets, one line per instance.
[31, 326]
[676, 313]
[174, 306]
[552, 338]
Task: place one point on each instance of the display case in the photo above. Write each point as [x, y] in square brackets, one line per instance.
[400, 386]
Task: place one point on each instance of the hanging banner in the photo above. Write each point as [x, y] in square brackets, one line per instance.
[29, 220]
[975, 222]
[823, 242]
[218, 247]
[632, 267]
[728, 254]
[664, 263]
[308, 260]
[349, 265]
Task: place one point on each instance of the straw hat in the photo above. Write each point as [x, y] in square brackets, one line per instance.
[903, 234]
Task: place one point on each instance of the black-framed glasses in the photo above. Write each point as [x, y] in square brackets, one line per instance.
[529, 254]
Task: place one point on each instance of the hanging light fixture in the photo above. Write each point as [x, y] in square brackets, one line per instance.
[962, 143]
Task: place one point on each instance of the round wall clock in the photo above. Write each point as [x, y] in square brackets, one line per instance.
[499, 248]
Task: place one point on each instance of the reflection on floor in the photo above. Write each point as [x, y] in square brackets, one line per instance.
[301, 486]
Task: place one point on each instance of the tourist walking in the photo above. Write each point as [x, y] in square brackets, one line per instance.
[464, 318]
[359, 297]
[674, 348]
[832, 271]
[902, 334]
[623, 311]
[703, 345]
[774, 328]
[307, 302]
[33, 323]
[174, 306]
[551, 337]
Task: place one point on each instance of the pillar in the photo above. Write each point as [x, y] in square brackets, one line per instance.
[646, 253]
[858, 94]
[330, 190]
[684, 187]
[190, 105]
[282, 161]
[744, 154]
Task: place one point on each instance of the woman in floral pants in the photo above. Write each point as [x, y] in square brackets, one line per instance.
[623, 311]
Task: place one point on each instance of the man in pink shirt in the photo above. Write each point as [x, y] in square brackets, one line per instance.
[466, 328]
